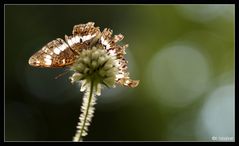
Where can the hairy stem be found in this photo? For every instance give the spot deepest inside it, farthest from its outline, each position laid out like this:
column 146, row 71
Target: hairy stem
column 87, row 110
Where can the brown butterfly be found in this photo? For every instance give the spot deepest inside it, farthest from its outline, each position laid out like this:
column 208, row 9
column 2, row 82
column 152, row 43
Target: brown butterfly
column 62, row 53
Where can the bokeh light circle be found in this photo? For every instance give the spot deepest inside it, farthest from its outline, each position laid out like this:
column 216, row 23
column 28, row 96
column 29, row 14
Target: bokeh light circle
column 218, row 113
column 178, row 75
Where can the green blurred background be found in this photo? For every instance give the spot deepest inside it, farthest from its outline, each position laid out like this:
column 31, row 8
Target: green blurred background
column 183, row 56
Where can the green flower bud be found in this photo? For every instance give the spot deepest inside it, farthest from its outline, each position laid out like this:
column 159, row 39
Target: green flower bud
column 95, row 64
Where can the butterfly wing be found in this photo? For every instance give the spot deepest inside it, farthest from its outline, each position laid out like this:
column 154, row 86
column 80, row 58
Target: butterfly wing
column 83, row 36
column 59, row 53
column 56, row 53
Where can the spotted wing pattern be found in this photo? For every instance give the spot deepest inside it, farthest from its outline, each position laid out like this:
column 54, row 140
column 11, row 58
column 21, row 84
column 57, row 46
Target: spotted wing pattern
column 60, row 53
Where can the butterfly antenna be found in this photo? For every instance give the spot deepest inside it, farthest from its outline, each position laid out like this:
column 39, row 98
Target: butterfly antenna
column 62, row 74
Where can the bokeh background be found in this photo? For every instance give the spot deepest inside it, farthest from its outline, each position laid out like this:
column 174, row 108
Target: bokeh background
column 183, row 56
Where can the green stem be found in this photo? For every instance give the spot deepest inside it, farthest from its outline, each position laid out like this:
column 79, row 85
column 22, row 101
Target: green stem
column 85, row 113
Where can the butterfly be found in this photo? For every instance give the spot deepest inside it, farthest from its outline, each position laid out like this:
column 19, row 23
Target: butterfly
column 64, row 53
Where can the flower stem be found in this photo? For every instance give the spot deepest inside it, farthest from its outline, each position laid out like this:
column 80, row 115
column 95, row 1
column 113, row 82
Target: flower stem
column 86, row 116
